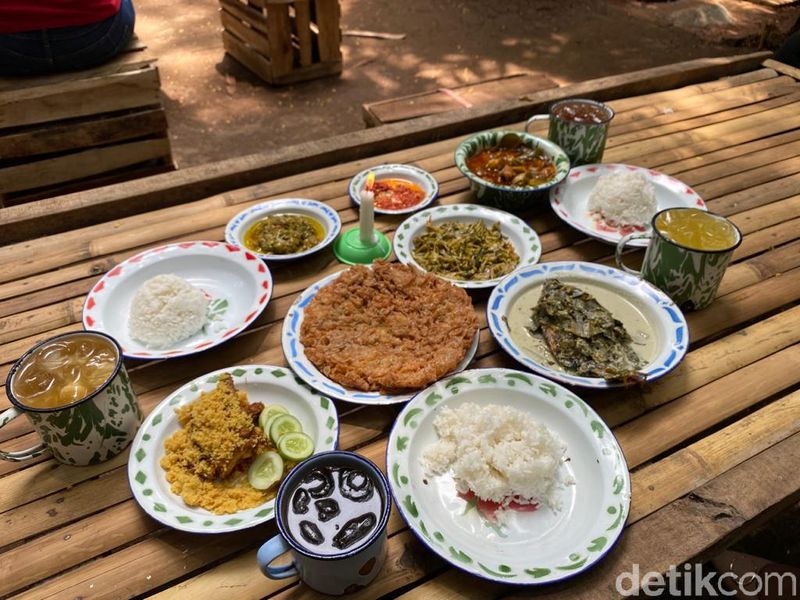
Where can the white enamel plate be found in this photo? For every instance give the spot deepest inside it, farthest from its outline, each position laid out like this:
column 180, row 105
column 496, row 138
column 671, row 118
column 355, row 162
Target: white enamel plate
column 322, row 213
column 415, row 175
column 262, row 383
column 524, row 239
column 295, row 354
column 656, row 325
column 570, row 198
column 237, row 282
column 543, row 546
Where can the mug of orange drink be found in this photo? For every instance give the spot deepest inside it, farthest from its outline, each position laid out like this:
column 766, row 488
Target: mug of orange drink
column 687, row 256
column 74, row 390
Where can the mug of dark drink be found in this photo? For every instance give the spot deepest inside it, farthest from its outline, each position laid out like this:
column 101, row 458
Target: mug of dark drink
column 331, row 511
column 579, row 127
column 74, row 390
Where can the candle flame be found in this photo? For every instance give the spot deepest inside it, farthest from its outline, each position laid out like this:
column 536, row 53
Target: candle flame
column 370, row 181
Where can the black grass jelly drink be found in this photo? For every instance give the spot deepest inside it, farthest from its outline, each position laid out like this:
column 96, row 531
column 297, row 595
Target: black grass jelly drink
column 331, row 512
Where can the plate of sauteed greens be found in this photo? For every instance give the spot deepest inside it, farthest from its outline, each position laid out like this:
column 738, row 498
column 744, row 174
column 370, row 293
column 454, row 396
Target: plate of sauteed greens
column 469, row 245
column 587, row 325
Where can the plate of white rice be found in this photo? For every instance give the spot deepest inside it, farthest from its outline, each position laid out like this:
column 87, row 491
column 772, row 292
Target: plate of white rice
column 608, row 201
column 508, row 476
column 179, row 299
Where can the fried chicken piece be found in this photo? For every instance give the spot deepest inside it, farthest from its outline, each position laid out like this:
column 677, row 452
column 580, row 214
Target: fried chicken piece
column 219, row 431
column 391, row 328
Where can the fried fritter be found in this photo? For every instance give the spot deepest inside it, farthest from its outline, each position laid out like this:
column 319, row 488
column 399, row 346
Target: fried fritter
column 391, row 328
column 218, row 432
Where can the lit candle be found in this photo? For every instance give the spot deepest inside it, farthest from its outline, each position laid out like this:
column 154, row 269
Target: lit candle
column 366, row 221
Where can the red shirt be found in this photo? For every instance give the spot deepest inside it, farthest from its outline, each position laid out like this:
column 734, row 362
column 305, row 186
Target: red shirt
column 28, row 15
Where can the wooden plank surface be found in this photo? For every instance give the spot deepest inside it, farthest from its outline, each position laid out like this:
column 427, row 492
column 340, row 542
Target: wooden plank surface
column 83, row 133
column 80, row 164
column 464, row 96
column 302, row 26
column 78, row 98
column 329, row 36
column 695, row 440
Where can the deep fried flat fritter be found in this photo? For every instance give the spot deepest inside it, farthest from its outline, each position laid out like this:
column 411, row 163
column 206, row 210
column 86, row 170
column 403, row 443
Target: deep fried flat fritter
column 391, row 328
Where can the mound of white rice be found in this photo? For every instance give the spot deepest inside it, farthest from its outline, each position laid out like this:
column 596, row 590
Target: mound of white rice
column 165, row 310
column 497, row 452
column 623, row 198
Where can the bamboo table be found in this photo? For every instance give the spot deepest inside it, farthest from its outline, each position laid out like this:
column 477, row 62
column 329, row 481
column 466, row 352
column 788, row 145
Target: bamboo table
column 713, row 447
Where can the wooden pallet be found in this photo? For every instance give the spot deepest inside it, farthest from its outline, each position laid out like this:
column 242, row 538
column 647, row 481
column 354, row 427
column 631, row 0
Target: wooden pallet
column 283, row 41
column 71, row 131
column 509, row 87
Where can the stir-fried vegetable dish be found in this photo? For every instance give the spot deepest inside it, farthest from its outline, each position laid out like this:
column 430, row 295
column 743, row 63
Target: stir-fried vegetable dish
column 466, row 251
column 283, row 234
column 582, row 335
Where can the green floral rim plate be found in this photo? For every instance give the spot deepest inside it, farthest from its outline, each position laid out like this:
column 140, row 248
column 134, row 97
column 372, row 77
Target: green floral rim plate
column 263, row 383
column 524, row 239
column 537, row 547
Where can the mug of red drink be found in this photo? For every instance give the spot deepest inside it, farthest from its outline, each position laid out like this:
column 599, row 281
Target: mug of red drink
column 74, row 390
column 331, row 510
column 579, row 127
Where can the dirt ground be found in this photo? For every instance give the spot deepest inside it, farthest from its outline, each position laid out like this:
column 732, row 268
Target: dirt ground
column 217, row 109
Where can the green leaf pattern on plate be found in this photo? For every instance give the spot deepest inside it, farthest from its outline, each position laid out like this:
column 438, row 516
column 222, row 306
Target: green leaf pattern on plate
column 325, row 410
column 405, row 429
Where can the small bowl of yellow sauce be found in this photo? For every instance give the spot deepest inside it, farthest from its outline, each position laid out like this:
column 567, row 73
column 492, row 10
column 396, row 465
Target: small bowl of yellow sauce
column 286, row 229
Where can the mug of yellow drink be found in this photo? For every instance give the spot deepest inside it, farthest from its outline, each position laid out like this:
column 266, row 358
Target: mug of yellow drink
column 74, row 390
column 687, row 256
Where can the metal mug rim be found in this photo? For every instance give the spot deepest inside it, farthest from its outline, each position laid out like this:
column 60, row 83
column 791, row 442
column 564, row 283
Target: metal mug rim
column 21, row 360
column 604, row 106
column 687, row 248
column 379, row 529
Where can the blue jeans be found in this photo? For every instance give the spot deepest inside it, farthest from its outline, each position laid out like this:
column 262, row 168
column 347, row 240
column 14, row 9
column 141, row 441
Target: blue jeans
column 66, row 48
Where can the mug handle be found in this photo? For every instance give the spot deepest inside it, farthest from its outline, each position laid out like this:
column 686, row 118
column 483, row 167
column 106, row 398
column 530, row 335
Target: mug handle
column 5, row 418
column 268, row 552
column 621, row 247
column 535, row 118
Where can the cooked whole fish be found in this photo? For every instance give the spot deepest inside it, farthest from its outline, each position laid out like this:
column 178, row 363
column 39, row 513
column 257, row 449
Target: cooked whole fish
column 582, row 336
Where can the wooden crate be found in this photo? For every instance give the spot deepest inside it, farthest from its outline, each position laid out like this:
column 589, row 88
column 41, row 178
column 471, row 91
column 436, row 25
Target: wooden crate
column 283, row 41
column 72, row 131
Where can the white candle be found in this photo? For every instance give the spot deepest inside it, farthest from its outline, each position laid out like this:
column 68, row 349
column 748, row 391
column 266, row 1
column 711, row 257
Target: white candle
column 366, row 215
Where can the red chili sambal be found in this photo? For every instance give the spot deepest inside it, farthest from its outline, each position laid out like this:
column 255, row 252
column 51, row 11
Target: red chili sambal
column 397, row 194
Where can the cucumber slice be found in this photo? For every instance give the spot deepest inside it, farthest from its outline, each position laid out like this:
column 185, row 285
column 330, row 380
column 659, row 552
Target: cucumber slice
column 268, row 414
column 282, row 425
column 295, row 446
column 266, row 470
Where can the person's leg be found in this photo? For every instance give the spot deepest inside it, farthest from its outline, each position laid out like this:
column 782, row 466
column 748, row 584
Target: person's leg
column 67, row 48
column 24, row 54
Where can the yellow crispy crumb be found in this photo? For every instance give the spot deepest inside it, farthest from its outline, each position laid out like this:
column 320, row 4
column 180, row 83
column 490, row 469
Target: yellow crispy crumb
column 206, row 461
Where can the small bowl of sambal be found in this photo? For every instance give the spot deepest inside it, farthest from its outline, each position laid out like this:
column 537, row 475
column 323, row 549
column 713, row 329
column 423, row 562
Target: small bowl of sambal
column 399, row 189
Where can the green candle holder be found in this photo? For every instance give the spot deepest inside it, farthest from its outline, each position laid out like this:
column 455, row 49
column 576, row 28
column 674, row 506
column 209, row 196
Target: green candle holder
column 350, row 250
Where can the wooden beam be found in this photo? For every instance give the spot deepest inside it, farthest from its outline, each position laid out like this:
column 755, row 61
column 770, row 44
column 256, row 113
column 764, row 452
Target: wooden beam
column 782, row 68
column 102, row 204
column 76, row 165
column 83, row 133
column 69, row 99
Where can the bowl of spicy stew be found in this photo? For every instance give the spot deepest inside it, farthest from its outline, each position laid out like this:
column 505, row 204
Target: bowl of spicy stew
column 399, row 189
column 511, row 170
